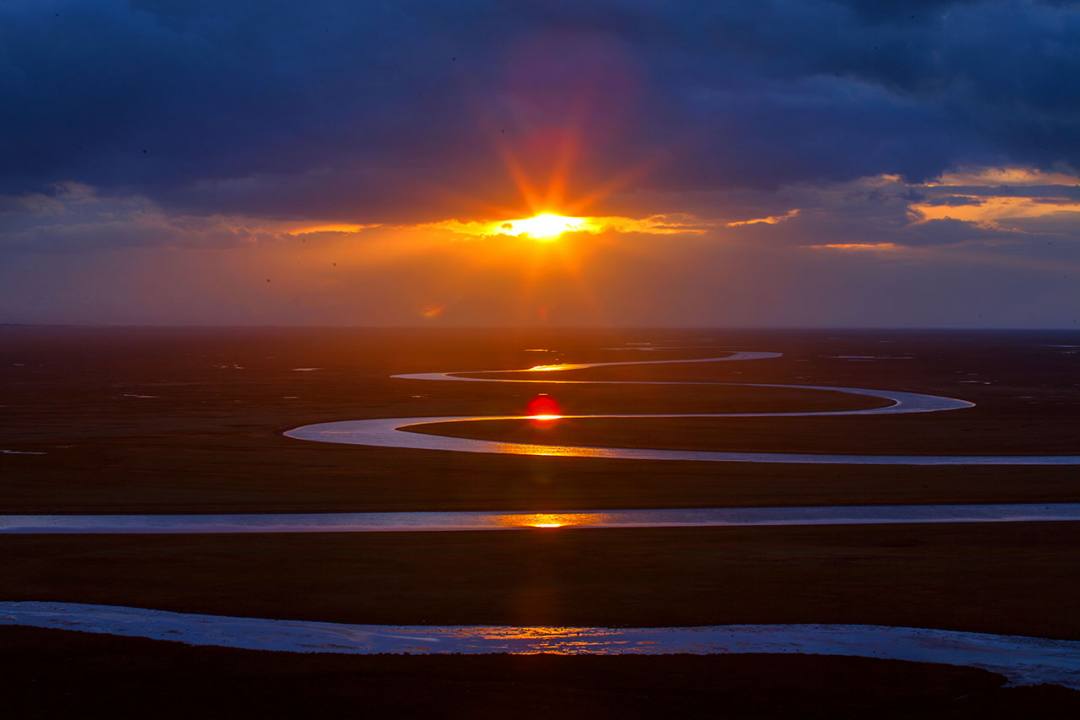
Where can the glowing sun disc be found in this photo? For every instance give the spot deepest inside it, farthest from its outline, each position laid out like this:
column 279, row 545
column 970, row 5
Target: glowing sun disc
column 544, row 226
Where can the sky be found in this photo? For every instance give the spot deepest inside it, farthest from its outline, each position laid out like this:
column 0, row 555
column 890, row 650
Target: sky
column 799, row 163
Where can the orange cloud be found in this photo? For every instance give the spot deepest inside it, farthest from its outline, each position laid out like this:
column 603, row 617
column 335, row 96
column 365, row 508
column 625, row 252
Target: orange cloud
column 993, row 208
column 330, row 228
column 858, row 247
column 768, row 220
column 990, row 211
column 652, row 225
column 991, row 177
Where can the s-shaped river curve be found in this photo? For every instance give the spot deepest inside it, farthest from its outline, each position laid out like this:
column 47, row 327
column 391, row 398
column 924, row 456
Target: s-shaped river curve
column 394, row 432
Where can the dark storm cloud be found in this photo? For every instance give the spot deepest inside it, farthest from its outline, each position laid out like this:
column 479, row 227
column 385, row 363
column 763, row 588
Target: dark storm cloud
column 388, row 111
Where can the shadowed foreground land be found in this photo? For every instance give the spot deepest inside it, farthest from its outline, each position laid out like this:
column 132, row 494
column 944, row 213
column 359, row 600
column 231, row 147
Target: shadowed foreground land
column 190, row 420
column 1019, row 579
column 55, row 674
column 179, row 421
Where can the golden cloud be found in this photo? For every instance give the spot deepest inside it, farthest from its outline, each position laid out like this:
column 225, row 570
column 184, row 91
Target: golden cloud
column 768, row 220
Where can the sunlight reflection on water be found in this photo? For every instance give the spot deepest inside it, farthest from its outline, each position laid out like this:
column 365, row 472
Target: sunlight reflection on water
column 550, row 520
column 399, row 432
column 480, row 520
column 1023, row 660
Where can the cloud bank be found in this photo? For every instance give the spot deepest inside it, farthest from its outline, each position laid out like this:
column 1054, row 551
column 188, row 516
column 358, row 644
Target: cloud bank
column 757, row 163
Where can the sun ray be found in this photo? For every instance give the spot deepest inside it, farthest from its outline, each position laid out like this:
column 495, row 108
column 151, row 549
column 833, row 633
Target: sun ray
column 612, row 186
column 520, row 178
column 560, row 173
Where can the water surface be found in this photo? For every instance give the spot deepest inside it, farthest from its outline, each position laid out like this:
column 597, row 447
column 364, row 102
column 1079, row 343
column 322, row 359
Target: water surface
column 395, row 432
column 460, row 521
column 1023, row 660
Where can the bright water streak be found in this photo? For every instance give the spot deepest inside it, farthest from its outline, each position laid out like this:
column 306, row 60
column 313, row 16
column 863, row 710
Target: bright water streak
column 457, row 521
column 1023, row 660
column 394, row 432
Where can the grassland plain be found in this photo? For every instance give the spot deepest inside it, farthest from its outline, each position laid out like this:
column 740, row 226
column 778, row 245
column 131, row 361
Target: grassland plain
column 190, row 421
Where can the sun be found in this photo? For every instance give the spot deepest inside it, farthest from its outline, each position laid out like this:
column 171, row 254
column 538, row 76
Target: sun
column 545, row 226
